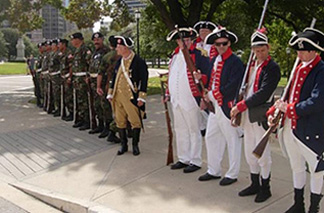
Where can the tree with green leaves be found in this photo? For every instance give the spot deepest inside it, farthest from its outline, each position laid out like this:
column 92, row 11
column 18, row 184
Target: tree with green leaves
column 3, row 46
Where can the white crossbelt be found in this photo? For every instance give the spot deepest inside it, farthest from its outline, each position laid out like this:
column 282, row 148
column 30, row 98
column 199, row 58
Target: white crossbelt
column 55, row 73
column 79, row 74
column 93, row 75
column 45, row 72
column 39, row 70
column 66, row 75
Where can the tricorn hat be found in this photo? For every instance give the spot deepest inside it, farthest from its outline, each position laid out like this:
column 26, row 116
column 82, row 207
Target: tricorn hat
column 55, row 41
column 48, row 42
column 185, row 32
column 128, row 42
column 259, row 38
column 97, row 35
column 205, row 25
column 220, row 33
column 77, row 35
column 309, row 39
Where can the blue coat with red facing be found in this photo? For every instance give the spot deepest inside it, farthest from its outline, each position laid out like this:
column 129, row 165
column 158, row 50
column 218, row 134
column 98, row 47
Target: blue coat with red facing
column 307, row 109
column 228, row 76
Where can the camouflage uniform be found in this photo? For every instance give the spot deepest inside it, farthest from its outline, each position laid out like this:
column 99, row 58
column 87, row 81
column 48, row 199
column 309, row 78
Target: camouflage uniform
column 54, row 70
column 66, row 58
column 106, row 69
column 45, row 78
column 40, row 91
column 94, row 64
column 80, row 66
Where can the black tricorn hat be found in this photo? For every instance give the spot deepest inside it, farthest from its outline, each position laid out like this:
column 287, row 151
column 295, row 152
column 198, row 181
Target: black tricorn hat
column 220, row 33
column 259, row 37
column 97, row 35
column 77, row 35
column 39, row 45
column 186, row 32
column 48, row 42
column 204, row 25
column 63, row 40
column 309, row 39
column 112, row 41
column 128, row 42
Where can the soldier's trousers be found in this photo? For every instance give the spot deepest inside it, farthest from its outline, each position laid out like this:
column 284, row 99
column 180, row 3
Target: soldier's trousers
column 57, row 81
column 68, row 95
column 81, row 99
column 37, row 91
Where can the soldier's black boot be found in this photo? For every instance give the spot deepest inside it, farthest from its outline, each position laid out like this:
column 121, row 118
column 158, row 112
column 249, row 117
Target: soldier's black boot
column 129, row 130
column 78, row 124
column 136, row 137
column 57, row 113
column 85, row 126
column 315, row 200
column 264, row 192
column 254, row 188
column 299, row 205
column 105, row 131
column 123, row 138
column 98, row 129
column 69, row 117
column 112, row 137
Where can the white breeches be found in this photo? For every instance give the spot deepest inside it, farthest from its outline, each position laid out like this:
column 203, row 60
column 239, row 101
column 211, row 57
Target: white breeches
column 220, row 134
column 188, row 137
column 298, row 156
column 252, row 135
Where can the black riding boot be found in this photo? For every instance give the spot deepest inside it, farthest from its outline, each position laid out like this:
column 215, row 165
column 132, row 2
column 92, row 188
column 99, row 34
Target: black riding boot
column 264, row 192
column 254, row 188
column 99, row 128
column 104, row 133
column 123, row 138
column 136, row 138
column 299, row 205
column 315, row 200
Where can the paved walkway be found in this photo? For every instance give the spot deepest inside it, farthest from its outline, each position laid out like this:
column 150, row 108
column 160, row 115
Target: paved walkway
column 46, row 154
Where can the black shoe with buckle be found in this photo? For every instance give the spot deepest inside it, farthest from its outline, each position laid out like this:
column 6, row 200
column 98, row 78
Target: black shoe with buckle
column 207, row 177
column 78, row 124
column 191, row 168
column 178, row 165
column 85, row 126
column 227, row 181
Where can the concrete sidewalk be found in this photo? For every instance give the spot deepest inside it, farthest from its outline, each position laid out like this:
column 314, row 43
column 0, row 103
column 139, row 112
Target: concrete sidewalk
column 78, row 172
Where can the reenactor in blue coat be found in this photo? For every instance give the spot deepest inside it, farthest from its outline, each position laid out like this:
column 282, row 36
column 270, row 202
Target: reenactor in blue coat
column 127, row 93
column 263, row 78
column 302, row 134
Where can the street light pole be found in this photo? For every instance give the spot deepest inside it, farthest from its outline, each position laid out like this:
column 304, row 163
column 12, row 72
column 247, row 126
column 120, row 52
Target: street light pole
column 137, row 17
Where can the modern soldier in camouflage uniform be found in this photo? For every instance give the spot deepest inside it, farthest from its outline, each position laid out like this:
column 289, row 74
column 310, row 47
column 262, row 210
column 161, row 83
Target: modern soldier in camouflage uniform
column 105, row 74
column 95, row 60
column 44, row 74
column 38, row 89
column 80, row 67
column 54, row 70
column 65, row 65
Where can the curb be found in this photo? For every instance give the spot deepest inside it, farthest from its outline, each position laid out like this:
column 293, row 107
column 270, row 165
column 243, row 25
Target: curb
column 62, row 202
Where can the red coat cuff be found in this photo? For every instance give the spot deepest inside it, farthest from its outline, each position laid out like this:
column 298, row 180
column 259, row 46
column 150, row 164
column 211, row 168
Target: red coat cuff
column 271, row 111
column 167, row 93
column 241, row 106
column 291, row 111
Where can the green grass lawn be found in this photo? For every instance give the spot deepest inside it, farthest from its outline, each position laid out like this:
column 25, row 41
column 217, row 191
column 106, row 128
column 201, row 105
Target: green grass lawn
column 12, row 68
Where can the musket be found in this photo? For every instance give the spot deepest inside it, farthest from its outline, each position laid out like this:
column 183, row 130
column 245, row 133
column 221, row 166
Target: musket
column 259, row 149
column 237, row 120
column 192, row 69
column 92, row 112
column 168, row 121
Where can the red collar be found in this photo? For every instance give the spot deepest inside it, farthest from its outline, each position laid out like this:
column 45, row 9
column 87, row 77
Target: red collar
column 227, row 54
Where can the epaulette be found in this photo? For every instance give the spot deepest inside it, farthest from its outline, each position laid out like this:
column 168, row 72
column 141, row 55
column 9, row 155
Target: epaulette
column 203, row 52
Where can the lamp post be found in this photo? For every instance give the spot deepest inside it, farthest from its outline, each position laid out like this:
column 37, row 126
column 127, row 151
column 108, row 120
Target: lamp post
column 137, row 17
column 288, row 56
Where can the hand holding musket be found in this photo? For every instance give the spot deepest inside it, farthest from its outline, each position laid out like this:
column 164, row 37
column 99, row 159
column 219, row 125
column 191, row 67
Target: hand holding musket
column 236, row 121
